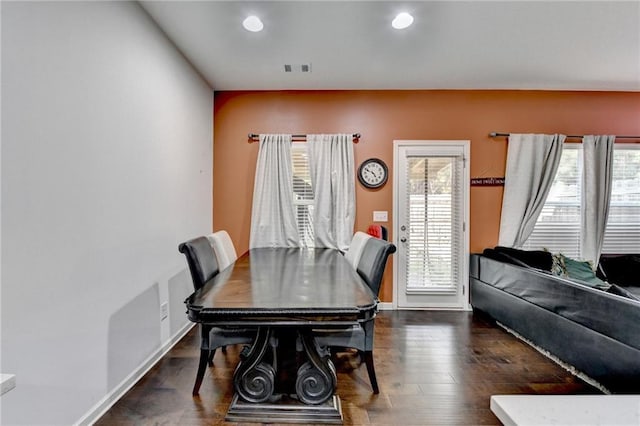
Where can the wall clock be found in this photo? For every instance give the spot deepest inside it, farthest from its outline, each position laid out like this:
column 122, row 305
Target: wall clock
column 373, row 173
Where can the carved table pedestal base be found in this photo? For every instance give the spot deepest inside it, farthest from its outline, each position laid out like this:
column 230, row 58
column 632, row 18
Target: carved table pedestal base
column 285, row 411
column 285, row 377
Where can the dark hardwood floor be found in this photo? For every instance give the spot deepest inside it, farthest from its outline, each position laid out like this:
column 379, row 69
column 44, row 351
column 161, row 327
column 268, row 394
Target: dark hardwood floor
column 433, row 368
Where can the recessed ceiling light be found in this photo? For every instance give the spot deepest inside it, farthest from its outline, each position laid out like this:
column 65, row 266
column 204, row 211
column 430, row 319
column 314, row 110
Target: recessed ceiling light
column 252, row 23
column 402, row 21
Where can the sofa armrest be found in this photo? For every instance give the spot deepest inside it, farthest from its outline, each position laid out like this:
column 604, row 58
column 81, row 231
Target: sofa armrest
column 474, row 266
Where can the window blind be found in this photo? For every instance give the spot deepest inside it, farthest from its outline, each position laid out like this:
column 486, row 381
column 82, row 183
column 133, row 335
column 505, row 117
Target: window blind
column 622, row 234
column 558, row 226
column 303, row 195
column 434, row 206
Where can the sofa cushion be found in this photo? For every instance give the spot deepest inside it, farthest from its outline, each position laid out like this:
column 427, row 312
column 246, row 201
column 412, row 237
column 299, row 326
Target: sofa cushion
column 503, row 257
column 622, row 270
column 534, row 258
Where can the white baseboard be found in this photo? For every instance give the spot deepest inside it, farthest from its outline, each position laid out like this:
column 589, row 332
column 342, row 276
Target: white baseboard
column 112, row 397
column 388, row 306
column 385, row 306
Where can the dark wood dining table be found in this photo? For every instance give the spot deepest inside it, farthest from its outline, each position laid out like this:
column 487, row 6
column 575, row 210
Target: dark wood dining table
column 283, row 295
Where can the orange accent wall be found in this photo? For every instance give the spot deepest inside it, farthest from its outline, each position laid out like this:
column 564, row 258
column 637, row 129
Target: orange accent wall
column 384, row 116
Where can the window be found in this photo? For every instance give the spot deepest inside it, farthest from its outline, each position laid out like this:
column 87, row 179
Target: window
column 622, row 234
column 558, row 226
column 302, row 193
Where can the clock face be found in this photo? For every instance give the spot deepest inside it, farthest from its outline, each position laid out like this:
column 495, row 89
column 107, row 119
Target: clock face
column 373, row 173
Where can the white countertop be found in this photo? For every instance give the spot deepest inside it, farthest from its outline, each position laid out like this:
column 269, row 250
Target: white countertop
column 556, row 410
column 7, row 382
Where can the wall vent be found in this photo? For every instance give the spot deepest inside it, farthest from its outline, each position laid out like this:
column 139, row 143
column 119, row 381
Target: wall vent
column 297, row 68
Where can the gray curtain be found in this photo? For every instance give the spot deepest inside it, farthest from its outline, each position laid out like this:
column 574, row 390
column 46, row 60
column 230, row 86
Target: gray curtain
column 273, row 221
column 532, row 162
column 596, row 194
column 333, row 178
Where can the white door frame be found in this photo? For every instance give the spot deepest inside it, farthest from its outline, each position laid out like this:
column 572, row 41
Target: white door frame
column 466, row 146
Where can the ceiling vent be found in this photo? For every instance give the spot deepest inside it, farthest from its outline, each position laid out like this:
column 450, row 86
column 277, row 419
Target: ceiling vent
column 297, row 68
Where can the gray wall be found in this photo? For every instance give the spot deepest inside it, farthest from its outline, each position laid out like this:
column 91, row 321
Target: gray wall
column 106, row 166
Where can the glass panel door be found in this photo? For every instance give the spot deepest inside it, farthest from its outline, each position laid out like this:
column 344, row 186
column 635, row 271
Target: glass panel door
column 432, row 203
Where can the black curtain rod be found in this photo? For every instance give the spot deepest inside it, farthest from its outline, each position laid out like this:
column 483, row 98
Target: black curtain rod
column 496, row 134
column 254, row 136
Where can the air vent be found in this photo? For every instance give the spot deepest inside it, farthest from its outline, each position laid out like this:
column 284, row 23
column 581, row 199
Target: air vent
column 297, row 68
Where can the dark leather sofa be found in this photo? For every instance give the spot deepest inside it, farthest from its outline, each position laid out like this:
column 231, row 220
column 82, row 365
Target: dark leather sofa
column 595, row 331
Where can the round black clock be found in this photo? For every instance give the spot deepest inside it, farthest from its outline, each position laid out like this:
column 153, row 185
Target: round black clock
column 373, row 173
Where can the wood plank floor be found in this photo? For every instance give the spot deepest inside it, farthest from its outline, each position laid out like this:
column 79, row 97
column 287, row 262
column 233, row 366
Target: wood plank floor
column 433, row 368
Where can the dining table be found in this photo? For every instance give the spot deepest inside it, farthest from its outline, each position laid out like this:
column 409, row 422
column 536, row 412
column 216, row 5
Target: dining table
column 284, row 296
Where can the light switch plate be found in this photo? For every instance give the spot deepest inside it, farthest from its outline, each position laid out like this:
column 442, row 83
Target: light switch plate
column 380, row 216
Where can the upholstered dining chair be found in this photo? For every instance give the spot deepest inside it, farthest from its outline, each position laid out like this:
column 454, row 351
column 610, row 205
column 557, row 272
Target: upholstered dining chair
column 204, row 266
column 201, row 260
column 371, row 266
column 223, row 248
column 373, row 262
column 355, row 248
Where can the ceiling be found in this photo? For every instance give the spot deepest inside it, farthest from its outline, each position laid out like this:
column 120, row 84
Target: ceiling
column 556, row 45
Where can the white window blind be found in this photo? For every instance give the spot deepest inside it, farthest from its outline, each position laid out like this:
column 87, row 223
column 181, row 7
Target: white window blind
column 622, row 234
column 302, row 193
column 435, row 205
column 558, row 226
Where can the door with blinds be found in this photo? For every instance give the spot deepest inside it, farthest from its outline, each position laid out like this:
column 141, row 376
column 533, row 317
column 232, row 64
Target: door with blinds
column 431, row 210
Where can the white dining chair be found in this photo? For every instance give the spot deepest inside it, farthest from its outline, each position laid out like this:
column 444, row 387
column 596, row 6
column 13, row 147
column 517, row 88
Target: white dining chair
column 223, row 247
column 355, row 248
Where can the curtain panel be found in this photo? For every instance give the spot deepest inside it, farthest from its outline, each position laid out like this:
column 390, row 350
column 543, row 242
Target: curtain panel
column 273, row 221
column 596, row 194
column 331, row 165
column 532, row 162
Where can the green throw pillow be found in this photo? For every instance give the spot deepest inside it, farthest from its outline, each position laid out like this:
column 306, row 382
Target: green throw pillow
column 582, row 272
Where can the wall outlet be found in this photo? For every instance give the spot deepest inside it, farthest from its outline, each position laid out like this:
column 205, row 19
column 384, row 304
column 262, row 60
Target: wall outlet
column 164, row 311
column 380, row 216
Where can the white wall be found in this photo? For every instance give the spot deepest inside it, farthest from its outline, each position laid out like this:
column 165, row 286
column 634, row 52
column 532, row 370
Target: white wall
column 106, row 166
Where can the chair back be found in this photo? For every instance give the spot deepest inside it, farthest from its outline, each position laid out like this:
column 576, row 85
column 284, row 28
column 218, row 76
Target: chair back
column 355, row 248
column 201, row 259
column 373, row 260
column 223, row 248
